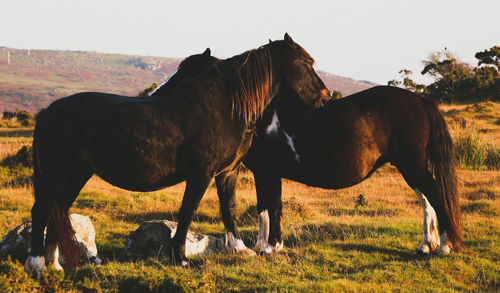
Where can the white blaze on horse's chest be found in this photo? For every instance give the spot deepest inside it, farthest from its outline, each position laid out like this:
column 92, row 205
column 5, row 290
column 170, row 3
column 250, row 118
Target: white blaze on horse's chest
column 273, row 130
column 163, row 83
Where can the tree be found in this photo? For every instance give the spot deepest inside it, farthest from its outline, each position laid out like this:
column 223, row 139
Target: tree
column 336, row 95
column 452, row 77
column 455, row 80
column 491, row 57
column 145, row 93
column 407, row 82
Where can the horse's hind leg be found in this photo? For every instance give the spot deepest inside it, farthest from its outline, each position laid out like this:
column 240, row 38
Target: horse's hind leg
column 424, row 186
column 226, row 187
column 269, row 207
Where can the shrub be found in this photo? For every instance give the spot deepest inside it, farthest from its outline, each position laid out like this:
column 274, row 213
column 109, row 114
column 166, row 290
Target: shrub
column 492, row 160
column 23, row 158
column 473, row 153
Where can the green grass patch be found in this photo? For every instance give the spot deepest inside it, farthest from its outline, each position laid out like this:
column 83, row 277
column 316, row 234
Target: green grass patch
column 474, row 154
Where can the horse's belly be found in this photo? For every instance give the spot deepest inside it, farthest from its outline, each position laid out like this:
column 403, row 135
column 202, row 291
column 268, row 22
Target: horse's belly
column 137, row 182
column 135, row 171
column 335, row 172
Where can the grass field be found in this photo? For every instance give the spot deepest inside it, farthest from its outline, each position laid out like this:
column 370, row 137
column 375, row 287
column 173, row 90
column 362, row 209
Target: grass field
column 330, row 245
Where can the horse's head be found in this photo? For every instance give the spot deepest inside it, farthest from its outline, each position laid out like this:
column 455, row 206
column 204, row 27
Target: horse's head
column 296, row 73
column 188, row 68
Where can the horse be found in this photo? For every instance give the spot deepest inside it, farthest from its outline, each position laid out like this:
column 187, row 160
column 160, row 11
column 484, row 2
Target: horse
column 344, row 143
column 202, row 130
column 363, row 132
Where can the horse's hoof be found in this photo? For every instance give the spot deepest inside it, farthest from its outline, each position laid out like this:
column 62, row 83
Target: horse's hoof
column 264, row 253
column 271, row 249
column 421, row 252
column 177, row 258
column 35, row 265
column 423, row 249
column 444, row 250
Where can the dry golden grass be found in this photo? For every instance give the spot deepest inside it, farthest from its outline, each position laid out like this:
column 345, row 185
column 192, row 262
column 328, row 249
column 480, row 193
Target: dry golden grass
column 331, row 245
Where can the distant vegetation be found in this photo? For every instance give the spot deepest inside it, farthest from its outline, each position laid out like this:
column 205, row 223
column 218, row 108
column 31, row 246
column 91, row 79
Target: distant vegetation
column 145, row 92
column 17, row 118
column 456, row 81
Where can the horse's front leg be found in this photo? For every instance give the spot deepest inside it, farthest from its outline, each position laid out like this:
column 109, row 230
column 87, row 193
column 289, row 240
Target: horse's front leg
column 195, row 188
column 226, row 189
column 269, row 207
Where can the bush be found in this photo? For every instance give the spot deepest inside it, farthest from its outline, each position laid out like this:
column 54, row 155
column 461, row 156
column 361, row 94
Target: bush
column 473, row 153
column 23, row 158
column 492, row 157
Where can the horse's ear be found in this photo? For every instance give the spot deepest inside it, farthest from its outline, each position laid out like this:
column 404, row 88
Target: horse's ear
column 270, row 41
column 288, row 39
column 207, row 52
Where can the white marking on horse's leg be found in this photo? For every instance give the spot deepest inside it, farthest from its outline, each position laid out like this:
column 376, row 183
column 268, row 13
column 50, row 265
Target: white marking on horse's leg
column 263, row 230
column 35, row 265
column 269, row 249
column 52, row 255
column 163, row 83
column 444, row 245
column 237, row 245
column 272, row 129
column 429, row 239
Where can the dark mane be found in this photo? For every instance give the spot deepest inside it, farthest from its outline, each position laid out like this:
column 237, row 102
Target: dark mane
column 250, row 76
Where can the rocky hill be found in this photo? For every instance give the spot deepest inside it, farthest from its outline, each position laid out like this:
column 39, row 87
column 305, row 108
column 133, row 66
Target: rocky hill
column 32, row 79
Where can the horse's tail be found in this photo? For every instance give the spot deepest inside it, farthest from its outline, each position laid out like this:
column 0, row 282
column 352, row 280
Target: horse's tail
column 59, row 224
column 442, row 163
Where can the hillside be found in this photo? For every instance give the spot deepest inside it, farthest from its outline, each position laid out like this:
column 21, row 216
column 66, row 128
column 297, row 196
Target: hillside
column 31, row 79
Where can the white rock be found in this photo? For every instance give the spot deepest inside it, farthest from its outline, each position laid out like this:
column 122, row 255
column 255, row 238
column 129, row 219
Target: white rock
column 152, row 238
column 17, row 242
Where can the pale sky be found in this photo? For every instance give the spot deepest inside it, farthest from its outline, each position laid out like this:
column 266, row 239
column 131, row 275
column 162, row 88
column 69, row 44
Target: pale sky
column 368, row 40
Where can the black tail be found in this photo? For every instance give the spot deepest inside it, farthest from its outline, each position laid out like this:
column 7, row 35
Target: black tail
column 442, row 163
column 59, row 224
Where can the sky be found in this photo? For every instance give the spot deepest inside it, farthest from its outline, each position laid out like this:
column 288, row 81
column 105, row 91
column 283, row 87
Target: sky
column 366, row 40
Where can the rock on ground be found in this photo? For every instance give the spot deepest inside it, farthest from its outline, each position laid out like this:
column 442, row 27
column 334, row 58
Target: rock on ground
column 17, row 242
column 152, row 238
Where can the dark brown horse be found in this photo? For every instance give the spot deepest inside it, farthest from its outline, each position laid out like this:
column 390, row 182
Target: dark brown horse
column 203, row 129
column 343, row 143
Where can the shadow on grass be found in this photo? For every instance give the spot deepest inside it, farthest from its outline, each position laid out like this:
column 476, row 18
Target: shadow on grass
column 140, row 217
column 313, row 233
column 404, row 255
